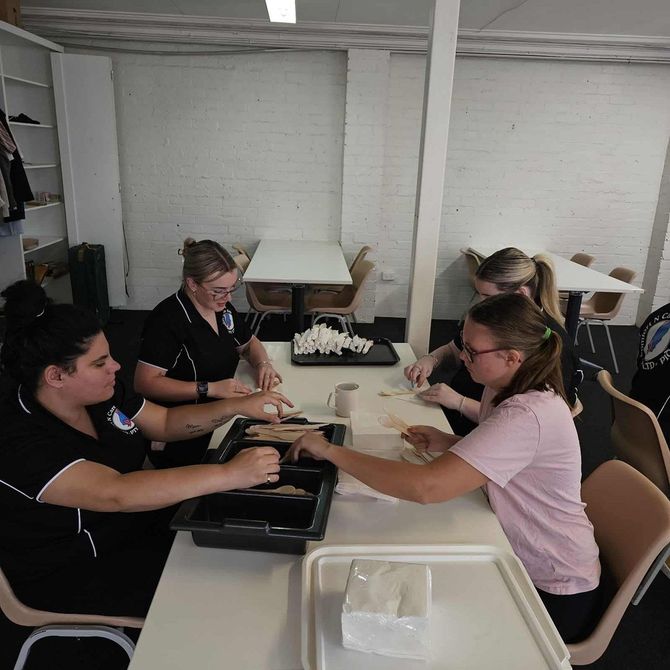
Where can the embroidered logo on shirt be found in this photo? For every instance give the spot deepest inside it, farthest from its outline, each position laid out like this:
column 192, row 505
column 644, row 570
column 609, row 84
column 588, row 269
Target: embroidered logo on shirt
column 120, row 420
column 228, row 321
column 655, row 341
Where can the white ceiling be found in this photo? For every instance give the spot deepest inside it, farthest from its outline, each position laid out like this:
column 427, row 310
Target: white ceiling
column 605, row 17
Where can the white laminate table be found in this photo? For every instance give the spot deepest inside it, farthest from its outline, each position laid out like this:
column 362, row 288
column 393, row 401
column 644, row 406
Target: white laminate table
column 218, row 608
column 298, row 263
column 575, row 279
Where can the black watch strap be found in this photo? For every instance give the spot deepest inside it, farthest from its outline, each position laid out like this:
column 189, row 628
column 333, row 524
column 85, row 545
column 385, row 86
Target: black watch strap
column 202, row 388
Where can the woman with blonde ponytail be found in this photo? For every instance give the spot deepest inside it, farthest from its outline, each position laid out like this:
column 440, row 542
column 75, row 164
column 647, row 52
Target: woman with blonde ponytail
column 524, row 452
column 506, row 271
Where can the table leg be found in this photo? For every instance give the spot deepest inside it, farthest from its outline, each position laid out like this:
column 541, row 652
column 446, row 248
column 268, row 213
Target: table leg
column 298, row 307
column 572, row 313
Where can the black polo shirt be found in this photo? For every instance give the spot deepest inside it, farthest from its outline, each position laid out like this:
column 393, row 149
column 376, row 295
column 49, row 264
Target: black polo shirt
column 651, row 382
column 36, row 447
column 177, row 339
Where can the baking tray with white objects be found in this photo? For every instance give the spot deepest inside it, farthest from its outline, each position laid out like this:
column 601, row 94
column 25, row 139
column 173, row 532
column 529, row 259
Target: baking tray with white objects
column 279, row 517
column 382, row 352
column 485, row 611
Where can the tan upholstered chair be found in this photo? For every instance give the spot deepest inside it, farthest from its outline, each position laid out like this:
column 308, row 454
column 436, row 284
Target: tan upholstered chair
column 583, row 259
column 473, row 261
column 262, row 299
column 631, row 519
column 342, row 305
column 241, row 250
column 58, row 624
column 603, row 307
column 360, row 256
column 636, row 436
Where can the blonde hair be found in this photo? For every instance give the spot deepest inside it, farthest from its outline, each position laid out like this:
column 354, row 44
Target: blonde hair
column 517, row 323
column 205, row 260
column 510, row 269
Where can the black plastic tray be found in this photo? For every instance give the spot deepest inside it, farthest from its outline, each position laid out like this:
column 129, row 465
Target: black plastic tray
column 382, row 352
column 255, row 520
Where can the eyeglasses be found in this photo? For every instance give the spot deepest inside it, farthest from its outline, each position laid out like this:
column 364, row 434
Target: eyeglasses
column 471, row 353
column 222, row 292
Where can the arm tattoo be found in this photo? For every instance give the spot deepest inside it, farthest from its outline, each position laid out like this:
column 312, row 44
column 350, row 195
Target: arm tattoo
column 219, row 421
column 193, row 428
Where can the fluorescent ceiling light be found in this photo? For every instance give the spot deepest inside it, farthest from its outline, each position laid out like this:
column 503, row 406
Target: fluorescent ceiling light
column 281, row 11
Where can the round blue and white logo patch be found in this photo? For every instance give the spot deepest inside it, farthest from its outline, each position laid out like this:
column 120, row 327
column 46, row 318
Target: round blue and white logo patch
column 121, row 421
column 228, row 321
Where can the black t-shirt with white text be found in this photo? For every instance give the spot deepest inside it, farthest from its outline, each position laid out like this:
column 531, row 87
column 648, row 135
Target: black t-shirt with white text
column 651, row 382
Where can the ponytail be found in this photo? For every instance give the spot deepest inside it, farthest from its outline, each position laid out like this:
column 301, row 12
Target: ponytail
column 546, row 293
column 517, row 323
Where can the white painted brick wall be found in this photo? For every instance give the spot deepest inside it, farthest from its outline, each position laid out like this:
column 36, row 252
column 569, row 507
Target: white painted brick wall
column 566, row 156
column 233, row 148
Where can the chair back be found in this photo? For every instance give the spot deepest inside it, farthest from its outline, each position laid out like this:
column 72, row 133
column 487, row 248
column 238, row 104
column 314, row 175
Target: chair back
column 242, row 261
column 241, row 250
column 364, row 251
column 22, row 615
column 607, row 305
column 637, row 437
column 583, row 259
column 473, row 261
column 360, row 275
column 631, row 520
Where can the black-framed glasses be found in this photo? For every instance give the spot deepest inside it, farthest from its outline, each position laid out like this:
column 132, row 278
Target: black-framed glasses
column 222, row 292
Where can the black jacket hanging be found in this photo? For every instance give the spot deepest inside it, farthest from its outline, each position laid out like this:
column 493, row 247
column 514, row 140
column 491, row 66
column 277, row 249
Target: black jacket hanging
column 18, row 180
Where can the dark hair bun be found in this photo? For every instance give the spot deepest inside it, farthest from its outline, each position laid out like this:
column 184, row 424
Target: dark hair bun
column 24, row 302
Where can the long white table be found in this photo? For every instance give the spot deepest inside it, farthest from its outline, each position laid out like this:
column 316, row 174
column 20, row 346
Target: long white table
column 574, row 279
column 298, row 263
column 217, row 608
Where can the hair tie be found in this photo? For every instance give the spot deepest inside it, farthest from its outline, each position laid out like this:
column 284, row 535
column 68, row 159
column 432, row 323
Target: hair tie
column 37, row 316
column 547, row 333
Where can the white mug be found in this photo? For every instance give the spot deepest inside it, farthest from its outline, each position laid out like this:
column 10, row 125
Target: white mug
column 346, row 398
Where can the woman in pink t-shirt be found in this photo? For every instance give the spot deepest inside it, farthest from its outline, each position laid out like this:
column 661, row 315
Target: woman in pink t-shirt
column 524, row 452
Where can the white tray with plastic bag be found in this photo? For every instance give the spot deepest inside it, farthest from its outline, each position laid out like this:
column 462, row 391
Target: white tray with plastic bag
column 485, row 611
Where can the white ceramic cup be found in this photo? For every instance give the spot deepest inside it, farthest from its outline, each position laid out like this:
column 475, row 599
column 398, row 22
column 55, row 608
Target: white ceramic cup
column 346, row 398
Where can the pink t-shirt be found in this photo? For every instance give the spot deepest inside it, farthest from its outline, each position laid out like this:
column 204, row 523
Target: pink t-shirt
column 529, row 450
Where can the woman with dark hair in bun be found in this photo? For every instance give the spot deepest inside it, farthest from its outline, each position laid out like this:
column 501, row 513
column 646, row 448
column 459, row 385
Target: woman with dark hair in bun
column 524, row 452
column 71, row 453
column 192, row 342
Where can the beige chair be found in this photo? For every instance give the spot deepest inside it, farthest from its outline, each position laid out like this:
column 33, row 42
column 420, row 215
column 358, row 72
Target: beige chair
column 57, row 624
column 473, row 261
column 360, row 256
column 636, row 436
column 262, row 300
column 631, row 519
column 342, row 305
column 583, row 259
column 241, row 250
column 603, row 307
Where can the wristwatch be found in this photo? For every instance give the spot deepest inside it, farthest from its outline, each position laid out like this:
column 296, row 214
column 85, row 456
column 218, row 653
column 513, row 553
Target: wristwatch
column 202, row 388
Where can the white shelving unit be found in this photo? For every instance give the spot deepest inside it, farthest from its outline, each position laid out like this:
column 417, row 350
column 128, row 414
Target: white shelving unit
column 26, row 87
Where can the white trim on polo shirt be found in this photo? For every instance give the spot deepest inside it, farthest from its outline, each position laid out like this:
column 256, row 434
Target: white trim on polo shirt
column 144, row 402
column 660, row 411
column 90, row 539
column 15, row 489
column 18, row 395
column 151, row 365
column 182, row 306
column 195, row 372
column 58, row 474
column 78, row 520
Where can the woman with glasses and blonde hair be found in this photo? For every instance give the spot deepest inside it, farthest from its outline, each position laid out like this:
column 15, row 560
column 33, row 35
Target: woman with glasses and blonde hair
column 192, row 342
column 506, row 271
column 524, row 452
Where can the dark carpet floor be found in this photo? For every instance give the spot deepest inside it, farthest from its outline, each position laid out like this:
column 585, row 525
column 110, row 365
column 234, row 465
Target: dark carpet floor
column 641, row 642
